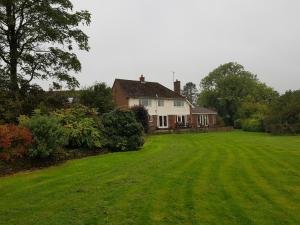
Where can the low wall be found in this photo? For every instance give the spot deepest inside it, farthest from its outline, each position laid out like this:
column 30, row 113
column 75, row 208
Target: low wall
column 194, row 130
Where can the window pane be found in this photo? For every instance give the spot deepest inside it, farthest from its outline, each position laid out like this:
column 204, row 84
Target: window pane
column 179, row 119
column 160, row 121
column 178, row 103
column 161, row 103
column 145, row 102
column 165, row 121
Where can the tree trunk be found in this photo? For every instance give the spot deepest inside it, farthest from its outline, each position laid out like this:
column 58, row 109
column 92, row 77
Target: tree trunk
column 13, row 55
column 13, row 45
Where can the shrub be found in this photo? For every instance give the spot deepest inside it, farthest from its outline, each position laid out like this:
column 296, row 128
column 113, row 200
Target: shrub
column 253, row 125
column 142, row 116
column 14, row 142
column 238, row 124
column 122, row 132
column 48, row 135
column 82, row 125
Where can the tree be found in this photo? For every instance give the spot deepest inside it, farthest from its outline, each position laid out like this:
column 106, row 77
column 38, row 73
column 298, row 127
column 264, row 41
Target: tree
column 230, row 85
column 190, row 92
column 284, row 114
column 98, row 96
column 37, row 39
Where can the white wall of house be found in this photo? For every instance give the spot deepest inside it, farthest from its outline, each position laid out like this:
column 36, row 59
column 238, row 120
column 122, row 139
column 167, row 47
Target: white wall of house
column 168, row 107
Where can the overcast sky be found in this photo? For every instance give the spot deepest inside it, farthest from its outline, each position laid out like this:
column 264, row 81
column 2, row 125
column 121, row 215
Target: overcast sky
column 191, row 37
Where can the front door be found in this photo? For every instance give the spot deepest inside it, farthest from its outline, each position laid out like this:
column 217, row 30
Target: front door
column 162, row 122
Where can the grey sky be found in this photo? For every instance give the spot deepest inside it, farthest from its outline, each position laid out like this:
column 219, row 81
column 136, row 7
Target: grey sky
column 192, row 37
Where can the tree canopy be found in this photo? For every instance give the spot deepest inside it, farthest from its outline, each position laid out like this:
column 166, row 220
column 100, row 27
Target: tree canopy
column 190, row 91
column 98, row 96
column 284, row 114
column 37, row 40
column 230, row 85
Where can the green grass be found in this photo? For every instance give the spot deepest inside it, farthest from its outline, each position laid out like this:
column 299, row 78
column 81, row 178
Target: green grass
column 215, row 178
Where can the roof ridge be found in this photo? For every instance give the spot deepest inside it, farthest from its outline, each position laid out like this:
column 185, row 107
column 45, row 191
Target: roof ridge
column 151, row 89
column 138, row 81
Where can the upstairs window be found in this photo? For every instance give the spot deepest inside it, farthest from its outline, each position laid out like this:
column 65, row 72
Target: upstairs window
column 161, row 103
column 178, row 103
column 145, row 102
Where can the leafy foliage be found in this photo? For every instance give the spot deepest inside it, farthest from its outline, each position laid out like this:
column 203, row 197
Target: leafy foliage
column 32, row 95
column 284, row 114
column 190, row 91
column 14, row 142
column 121, row 131
column 228, row 86
column 48, row 135
column 250, row 116
column 142, row 116
column 54, row 100
column 253, row 125
column 98, row 96
column 82, row 125
column 38, row 41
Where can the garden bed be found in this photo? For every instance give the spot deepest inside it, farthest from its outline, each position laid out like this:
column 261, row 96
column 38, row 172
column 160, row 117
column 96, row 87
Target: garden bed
column 25, row 164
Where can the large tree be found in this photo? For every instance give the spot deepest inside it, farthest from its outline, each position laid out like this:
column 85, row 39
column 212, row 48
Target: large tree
column 230, row 85
column 98, row 96
column 37, row 39
column 190, row 91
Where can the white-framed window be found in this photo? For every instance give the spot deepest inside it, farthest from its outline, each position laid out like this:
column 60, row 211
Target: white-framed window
column 181, row 119
column 178, row 103
column 162, row 122
column 145, row 102
column 161, row 103
column 203, row 120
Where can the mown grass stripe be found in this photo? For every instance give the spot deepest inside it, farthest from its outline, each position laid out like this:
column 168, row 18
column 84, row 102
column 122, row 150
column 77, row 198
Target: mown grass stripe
column 213, row 178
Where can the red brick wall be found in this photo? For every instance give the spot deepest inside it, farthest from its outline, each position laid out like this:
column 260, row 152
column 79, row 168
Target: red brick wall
column 172, row 121
column 212, row 120
column 194, row 121
column 119, row 96
column 153, row 124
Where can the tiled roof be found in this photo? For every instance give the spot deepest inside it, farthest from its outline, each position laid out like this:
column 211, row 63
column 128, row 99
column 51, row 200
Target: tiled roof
column 202, row 110
column 138, row 89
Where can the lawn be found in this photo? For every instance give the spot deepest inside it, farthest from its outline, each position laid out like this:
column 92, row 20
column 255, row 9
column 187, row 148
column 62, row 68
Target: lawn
column 213, row 178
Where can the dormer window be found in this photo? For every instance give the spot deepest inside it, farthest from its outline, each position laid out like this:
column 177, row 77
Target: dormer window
column 145, row 102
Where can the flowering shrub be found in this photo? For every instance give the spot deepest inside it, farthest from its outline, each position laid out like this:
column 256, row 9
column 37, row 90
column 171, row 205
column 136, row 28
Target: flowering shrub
column 14, row 142
column 82, row 125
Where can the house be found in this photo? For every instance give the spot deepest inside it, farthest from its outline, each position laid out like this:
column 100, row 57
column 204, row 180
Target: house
column 167, row 109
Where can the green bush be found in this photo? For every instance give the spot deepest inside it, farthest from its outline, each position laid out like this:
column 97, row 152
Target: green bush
column 142, row 116
column 238, row 124
column 253, row 125
column 122, row 132
column 48, row 135
column 82, row 125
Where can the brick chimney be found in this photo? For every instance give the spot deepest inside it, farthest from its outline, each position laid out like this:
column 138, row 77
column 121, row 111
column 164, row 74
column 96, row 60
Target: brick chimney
column 142, row 78
column 177, row 87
